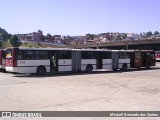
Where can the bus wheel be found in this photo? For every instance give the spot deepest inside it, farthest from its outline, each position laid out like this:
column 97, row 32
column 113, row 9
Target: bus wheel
column 124, row 67
column 148, row 66
column 41, row 70
column 89, row 68
column 114, row 69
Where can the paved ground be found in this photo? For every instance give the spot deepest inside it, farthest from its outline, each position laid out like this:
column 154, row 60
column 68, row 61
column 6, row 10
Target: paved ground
column 135, row 90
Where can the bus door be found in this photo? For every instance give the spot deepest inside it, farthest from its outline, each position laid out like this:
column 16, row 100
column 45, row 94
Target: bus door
column 115, row 60
column 132, row 57
column 53, row 61
column 138, row 59
column 144, row 58
column 3, row 59
column 152, row 59
column 99, row 59
column 76, row 60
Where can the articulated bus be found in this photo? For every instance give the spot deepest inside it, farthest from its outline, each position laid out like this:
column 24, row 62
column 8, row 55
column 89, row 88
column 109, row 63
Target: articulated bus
column 157, row 55
column 44, row 60
column 2, row 58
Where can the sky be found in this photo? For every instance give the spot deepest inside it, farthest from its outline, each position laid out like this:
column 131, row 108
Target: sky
column 79, row 17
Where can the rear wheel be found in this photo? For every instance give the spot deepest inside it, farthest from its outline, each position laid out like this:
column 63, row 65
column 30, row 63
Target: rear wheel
column 124, row 67
column 89, row 68
column 148, row 66
column 139, row 68
column 41, row 70
column 114, row 69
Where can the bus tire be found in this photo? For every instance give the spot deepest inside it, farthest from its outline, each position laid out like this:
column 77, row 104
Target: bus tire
column 139, row 68
column 124, row 67
column 41, row 70
column 114, row 69
column 89, row 68
column 148, row 66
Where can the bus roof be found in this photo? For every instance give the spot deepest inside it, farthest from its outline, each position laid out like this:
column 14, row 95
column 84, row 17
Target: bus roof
column 84, row 49
column 25, row 48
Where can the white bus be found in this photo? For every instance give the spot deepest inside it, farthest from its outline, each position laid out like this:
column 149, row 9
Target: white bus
column 50, row 60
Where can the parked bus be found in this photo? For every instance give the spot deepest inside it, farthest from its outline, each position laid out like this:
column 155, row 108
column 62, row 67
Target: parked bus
column 2, row 58
column 142, row 58
column 42, row 60
column 157, row 55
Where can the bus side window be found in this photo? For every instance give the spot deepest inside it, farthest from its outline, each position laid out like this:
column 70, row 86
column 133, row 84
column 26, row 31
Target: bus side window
column 64, row 55
column 88, row 55
column 20, row 55
column 106, row 55
column 42, row 55
column 137, row 55
column 123, row 55
column 29, row 55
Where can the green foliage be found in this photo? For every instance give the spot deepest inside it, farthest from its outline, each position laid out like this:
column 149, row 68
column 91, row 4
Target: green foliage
column 13, row 40
column 89, row 36
column 37, row 45
column 4, row 34
column 156, row 33
column 49, row 36
column 148, row 34
column 0, row 45
column 6, row 45
column 3, row 31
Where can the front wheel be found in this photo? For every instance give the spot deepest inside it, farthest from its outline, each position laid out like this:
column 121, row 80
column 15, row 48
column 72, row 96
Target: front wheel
column 41, row 70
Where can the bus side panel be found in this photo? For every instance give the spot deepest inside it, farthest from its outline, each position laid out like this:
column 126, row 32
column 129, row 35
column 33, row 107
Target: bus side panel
column 64, row 65
column 138, row 60
column 152, row 59
column 3, row 63
column 28, row 69
column 107, row 63
column 122, row 61
column 30, row 66
column 0, row 58
column 9, row 69
column 158, row 56
column 34, row 63
column 85, row 62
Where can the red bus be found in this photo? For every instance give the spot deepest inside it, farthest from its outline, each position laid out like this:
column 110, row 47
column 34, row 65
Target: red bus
column 142, row 58
column 2, row 58
column 157, row 55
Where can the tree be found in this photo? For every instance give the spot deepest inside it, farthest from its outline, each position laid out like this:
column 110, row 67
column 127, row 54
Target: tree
column 49, row 36
column 4, row 34
column 89, row 36
column 148, row 34
column 13, row 40
column 156, row 33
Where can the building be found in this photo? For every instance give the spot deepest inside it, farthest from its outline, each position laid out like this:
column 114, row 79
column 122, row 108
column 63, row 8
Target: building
column 34, row 36
column 133, row 36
